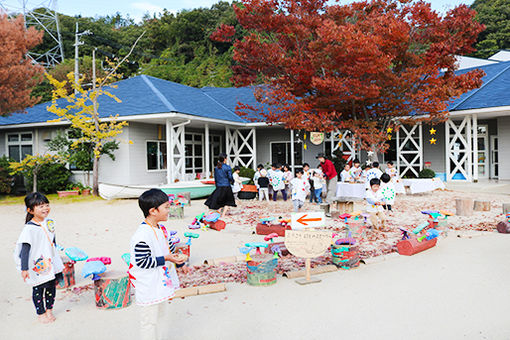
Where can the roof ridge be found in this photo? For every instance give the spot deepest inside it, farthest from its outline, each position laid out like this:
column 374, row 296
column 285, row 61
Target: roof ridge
column 220, row 104
column 158, row 93
column 480, row 88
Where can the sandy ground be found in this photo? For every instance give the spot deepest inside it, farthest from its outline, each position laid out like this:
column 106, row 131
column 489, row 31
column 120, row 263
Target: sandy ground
column 455, row 290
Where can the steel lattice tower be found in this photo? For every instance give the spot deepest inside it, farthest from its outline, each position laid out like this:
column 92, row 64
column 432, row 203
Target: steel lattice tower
column 43, row 16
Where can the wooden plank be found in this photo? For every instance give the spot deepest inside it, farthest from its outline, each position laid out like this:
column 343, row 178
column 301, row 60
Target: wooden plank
column 185, row 292
column 213, row 288
column 314, row 271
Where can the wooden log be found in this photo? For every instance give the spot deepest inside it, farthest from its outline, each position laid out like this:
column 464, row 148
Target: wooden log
column 504, row 227
column 506, row 208
column 266, row 229
column 482, row 206
column 345, row 207
column 113, row 290
column 464, row 206
column 412, row 246
column 325, row 207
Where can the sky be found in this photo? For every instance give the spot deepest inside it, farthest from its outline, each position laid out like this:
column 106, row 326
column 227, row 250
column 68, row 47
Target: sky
column 137, row 8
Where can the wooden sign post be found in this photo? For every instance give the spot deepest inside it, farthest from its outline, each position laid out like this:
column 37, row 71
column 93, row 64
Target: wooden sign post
column 307, row 244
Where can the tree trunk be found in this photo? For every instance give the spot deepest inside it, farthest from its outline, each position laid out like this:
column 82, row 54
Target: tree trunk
column 482, row 205
column 464, row 206
column 95, row 177
column 374, row 157
column 34, row 185
column 506, row 208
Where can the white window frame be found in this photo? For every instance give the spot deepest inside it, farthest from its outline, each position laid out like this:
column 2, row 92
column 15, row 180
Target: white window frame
column 192, row 142
column 19, row 142
column 158, row 142
column 297, row 166
column 213, row 156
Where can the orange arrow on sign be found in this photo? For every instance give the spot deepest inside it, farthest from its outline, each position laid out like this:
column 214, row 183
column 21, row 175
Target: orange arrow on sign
column 303, row 220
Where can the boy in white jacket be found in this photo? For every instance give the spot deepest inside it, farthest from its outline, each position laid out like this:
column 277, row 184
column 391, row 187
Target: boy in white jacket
column 155, row 280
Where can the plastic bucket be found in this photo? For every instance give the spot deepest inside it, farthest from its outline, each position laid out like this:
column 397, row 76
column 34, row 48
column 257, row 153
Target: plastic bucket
column 345, row 256
column 262, row 270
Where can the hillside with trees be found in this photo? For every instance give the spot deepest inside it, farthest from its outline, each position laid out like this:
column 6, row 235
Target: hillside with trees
column 175, row 47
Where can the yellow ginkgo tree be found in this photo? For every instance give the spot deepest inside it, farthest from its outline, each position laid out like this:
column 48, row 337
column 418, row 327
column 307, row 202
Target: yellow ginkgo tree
column 80, row 109
column 32, row 164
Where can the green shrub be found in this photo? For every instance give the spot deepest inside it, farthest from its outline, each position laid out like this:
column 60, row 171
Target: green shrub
column 427, row 173
column 51, row 178
column 248, row 173
column 6, row 180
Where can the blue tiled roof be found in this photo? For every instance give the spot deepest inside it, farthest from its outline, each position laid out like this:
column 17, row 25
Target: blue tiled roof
column 229, row 97
column 147, row 95
column 494, row 91
column 141, row 95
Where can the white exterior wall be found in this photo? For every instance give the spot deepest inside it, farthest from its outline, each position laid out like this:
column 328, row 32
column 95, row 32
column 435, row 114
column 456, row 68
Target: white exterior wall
column 504, row 144
column 139, row 134
column 130, row 165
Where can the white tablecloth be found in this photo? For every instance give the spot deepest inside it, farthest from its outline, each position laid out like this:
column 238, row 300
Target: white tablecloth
column 350, row 190
column 399, row 187
column 418, row 185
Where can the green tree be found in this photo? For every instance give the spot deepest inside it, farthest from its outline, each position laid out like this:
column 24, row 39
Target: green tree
column 495, row 15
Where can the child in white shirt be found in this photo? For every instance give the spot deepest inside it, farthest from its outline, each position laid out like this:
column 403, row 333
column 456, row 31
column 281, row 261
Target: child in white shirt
column 299, row 187
column 318, row 182
column 387, row 191
column 375, row 172
column 390, row 170
column 355, row 171
column 238, row 184
column 278, row 183
column 152, row 268
column 345, row 175
column 287, row 177
column 375, row 204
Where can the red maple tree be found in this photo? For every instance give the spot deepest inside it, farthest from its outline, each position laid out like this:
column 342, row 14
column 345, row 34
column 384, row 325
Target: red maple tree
column 362, row 66
column 18, row 75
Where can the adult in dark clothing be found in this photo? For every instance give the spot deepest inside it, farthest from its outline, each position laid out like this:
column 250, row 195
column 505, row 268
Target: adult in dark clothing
column 222, row 197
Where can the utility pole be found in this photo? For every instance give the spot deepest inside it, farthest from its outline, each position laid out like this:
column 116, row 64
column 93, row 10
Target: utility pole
column 77, row 43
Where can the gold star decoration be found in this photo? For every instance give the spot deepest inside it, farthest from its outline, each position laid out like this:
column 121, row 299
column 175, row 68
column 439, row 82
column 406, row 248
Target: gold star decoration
column 304, row 146
column 389, row 137
column 432, row 131
column 389, row 130
column 433, row 141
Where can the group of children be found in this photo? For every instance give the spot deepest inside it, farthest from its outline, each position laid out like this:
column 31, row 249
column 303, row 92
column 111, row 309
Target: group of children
column 152, row 269
column 357, row 174
column 280, row 179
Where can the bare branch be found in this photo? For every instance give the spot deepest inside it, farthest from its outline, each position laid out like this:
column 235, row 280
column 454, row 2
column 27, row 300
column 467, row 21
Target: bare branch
column 123, row 59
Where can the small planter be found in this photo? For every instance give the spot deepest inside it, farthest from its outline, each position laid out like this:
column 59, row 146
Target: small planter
column 68, row 193
column 249, row 188
column 85, row 192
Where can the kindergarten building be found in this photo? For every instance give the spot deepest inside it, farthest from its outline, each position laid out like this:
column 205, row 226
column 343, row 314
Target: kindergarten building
column 178, row 131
